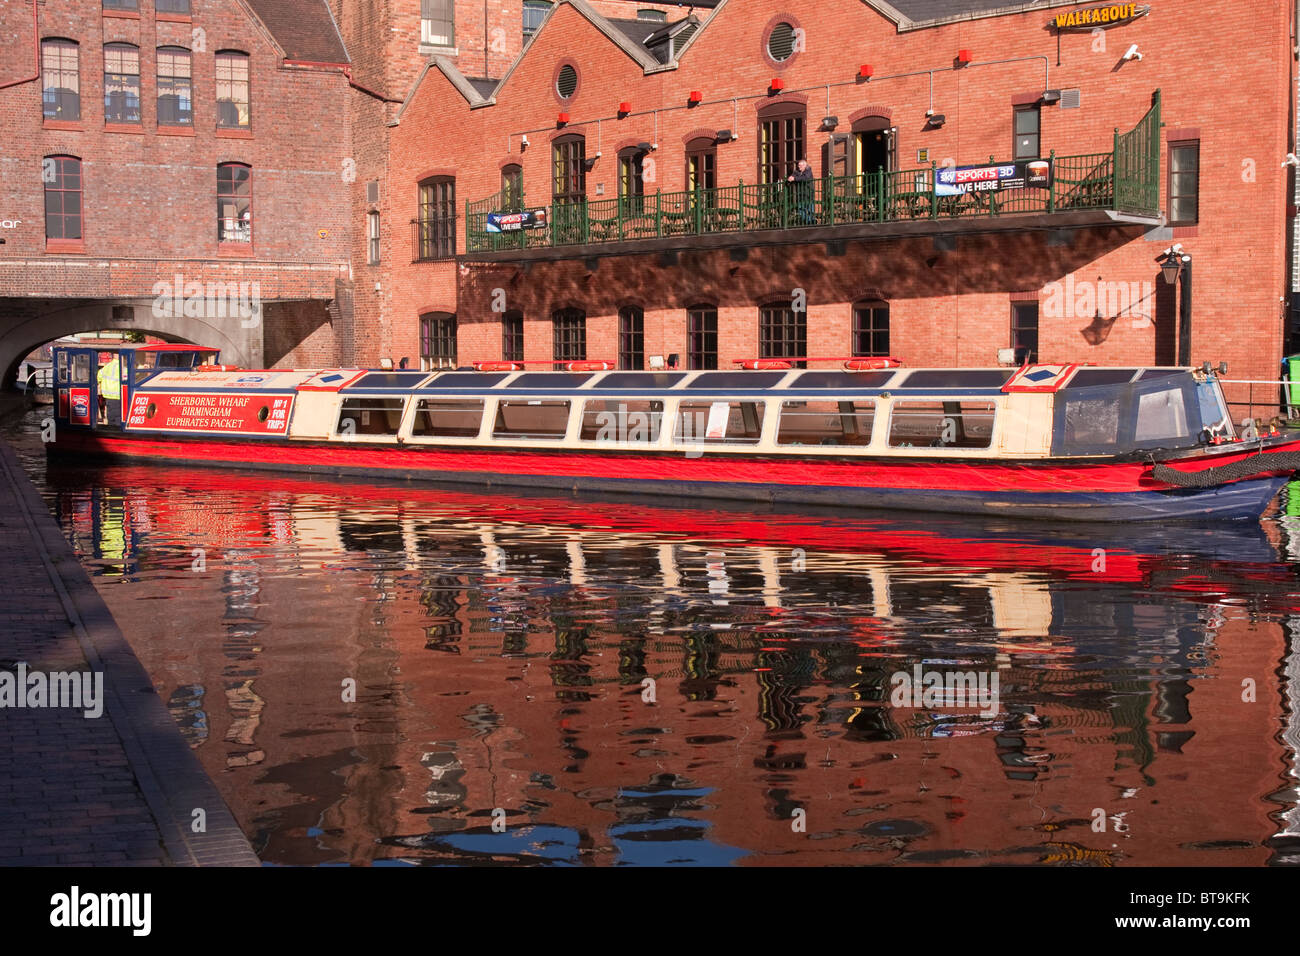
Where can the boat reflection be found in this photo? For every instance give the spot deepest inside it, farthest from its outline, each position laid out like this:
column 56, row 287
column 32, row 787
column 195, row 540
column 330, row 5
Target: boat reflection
column 595, row 681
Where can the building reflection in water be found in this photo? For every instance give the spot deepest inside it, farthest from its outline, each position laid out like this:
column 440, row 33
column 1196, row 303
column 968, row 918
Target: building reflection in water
column 553, row 681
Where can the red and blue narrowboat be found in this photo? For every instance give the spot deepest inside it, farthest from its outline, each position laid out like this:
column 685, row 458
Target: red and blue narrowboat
column 1040, row 441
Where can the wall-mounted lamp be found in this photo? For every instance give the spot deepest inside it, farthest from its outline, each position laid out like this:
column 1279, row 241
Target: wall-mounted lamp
column 935, row 120
column 644, row 147
column 1050, row 96
column 725, row 136
column 830, row 122
column 523, row 143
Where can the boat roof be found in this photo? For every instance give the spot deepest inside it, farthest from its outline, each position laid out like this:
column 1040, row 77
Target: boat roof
column 704, row 384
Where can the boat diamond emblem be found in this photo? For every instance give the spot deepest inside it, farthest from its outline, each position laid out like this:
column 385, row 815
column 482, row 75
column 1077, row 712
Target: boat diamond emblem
column 1038, row 376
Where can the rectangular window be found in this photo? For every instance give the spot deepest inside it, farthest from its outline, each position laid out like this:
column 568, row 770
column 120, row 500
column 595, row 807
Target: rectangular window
column 1091, row 422
column 1026, row 120
column 1024, row 331
column 234, row 203
column 782, row 333
column 701, row 165
column 826, row 423
column 780, row 147
column 631, row 183
column 438, row 341
column 1184, row 183
column 1161, row 415
column 121, row 84
column 622, row 420
column 512, row 188
column 450, row 418
column 60, row 81
column 372, row 237
column 734, row 423
column 370, row 416
column 569, row 330
column 121, row 4
column 631, row 337
column 436, row 228
column 871, row 329
column 702, row 337
column 512, row 336
column 181, row 7
column 534, row 13
column 62, row 198
column 438, row 22
column 940, row 424
column 531, row 419
column 233, row 104
column 175, row 90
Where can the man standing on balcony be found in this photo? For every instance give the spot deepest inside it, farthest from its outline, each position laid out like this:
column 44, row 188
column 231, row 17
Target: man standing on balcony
column 802, row 191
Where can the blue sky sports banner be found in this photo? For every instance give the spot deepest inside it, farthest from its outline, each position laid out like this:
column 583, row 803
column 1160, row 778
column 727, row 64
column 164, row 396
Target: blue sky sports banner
column 955, row 180
column 514, row 221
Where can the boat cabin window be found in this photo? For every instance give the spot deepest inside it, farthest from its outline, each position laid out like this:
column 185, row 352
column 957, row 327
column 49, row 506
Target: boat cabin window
column 1161, row 415
column 941, row 425
column 1086, row 377
column 1093, row 422
column 61, row 367
column 736, row 423
column 549, row 381
column 826, row 423
column 732, row 381
column 843, row 380
column 452, row 418
column 466, row 380
column 641, row 380
column 520, row 418
column 1214, row 413
column 959, row 378
column 622, row 420
column 370, row 416
column 80, row 368
column 1151, row 373
column 377, row 380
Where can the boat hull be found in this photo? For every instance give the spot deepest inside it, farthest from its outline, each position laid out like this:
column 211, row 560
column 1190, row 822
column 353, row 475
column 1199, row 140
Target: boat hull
column 1040, row 490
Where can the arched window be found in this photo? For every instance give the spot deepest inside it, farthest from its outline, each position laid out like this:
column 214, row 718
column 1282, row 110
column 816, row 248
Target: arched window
column 569, row 154
column 175, row 87
column 62, row 177
column 234, row 105
column 870, row 335
column 60, row 80
column 782, row 332
column 631, row 181
column 512, row 188
column 569, row 330
column 234, row 203
column 121, row 83
column 437, row 340
column 436, row 223
column 702, row 336
column 702, row 163
column 781, row 141
column 631, row 337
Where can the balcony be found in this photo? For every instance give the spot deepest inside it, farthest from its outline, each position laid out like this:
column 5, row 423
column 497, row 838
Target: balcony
column 1121, row 185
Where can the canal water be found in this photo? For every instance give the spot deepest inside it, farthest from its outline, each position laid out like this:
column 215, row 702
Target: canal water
column 384, row 673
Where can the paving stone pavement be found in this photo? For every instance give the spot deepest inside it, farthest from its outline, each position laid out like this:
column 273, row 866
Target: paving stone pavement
column 115, row 790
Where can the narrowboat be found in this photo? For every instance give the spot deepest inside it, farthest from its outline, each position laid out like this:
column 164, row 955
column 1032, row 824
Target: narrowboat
column 1064, row 441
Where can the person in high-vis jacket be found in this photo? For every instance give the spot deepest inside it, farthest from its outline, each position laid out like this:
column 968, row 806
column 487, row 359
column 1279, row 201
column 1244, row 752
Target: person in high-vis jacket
column 109, row 381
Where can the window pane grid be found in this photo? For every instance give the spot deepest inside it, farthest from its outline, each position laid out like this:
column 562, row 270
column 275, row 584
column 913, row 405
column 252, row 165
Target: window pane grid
column 631, row 337
column 438, row 341
column 871, row 329
column 781, row 146
column 569, row 330
column 782, row 333
column 174, row 88
column 232, row 90
column 702, row 337
column 1024, row 332
column 438, row 22
column 234, row 203
column 437, row 222
column 512, row 337
column 61, row 84
column 63, row 199
column 121, row 84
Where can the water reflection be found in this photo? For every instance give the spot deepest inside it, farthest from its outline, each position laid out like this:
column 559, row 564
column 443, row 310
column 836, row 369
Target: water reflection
column 381, row 672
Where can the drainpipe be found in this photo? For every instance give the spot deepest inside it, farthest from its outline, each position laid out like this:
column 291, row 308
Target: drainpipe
column 347, row 73
column 36, row 51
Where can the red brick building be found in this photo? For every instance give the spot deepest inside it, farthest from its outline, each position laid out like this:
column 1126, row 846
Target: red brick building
column 637, row 143
column 199, row 144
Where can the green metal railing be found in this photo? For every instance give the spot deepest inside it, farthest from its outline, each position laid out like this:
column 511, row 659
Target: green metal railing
column 1125, row 179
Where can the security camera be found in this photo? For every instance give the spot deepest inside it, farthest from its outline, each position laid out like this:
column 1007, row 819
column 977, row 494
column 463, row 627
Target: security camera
column 1291, row 160
column 524, row 141
column 1132, row 53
